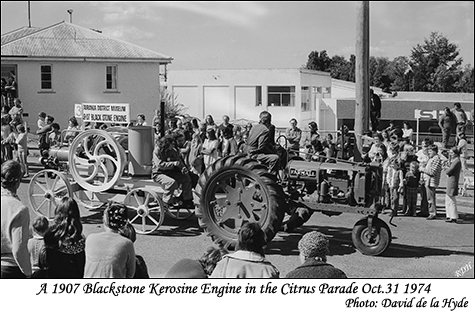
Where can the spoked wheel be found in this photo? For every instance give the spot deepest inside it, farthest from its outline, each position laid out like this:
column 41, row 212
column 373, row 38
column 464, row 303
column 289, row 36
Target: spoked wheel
column 46, row 189
column 179, row 214
column 372, row 241
column 235, row 190
column 96, row 160
column 146, row 210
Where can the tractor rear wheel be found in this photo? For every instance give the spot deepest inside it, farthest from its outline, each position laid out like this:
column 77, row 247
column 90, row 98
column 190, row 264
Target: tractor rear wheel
column 372, row 241
column 235, row 190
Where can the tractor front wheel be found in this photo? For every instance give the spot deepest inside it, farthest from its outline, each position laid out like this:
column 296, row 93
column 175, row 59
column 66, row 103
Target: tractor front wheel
column 371, row 241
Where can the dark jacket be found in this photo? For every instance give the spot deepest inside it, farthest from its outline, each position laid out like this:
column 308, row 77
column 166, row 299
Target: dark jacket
column 260, row 140
column 453, row 173
column 312, row 268
column 67, row 261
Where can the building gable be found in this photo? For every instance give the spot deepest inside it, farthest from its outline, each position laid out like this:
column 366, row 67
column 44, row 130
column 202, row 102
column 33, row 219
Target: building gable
column 65, row 40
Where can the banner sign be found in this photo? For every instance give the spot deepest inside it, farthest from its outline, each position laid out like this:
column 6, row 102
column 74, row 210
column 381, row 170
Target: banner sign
column 104, row 112
column 428, row 114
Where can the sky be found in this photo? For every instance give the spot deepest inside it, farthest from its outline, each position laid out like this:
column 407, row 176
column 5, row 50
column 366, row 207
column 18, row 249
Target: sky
column 240, row 35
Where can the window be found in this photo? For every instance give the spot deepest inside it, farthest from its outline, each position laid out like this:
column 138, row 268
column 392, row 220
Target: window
column 46, row 77
column 317, row 94
column 258, row 95
column 281, row 96
column 111, row 77
column 305, row 95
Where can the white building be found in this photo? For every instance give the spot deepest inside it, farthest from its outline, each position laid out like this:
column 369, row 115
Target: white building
column 62, row 65
column 304, row 94
column 244, row 93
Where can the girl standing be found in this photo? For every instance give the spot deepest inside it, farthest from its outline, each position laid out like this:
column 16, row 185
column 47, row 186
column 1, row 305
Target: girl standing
column 22, row 146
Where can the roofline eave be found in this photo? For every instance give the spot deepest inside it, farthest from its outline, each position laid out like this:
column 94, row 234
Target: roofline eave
column 91, row 59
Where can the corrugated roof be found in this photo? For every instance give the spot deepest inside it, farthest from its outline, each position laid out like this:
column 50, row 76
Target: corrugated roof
column 65, row 40
column 18, row 33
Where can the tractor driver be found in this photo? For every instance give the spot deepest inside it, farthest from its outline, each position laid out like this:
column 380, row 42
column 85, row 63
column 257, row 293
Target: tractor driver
column 170, row 171
column 260, row 143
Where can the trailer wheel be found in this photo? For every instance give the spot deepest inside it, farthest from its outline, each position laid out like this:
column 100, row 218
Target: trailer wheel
column 146, row 210
column 45, row 191
column 235, row 190
column 373, row 241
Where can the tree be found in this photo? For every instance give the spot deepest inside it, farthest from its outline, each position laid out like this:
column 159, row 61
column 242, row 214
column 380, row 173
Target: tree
column 433, row 63
column 318, row 61
column 379, row 72
column 400, row 74
column 338, row 68
column 466, row 80
column 172, row 107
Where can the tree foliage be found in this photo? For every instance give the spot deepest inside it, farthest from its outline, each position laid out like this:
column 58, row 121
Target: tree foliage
column 433, row 66
column 173, row 108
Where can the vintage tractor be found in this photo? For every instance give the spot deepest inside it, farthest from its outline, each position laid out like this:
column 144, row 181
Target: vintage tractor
column 237, row 189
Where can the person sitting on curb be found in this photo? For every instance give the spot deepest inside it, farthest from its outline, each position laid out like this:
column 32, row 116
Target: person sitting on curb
column 249, row 260
column 314, row 248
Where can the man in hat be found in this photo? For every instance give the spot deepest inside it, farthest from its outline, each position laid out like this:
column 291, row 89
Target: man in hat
column 314, row 248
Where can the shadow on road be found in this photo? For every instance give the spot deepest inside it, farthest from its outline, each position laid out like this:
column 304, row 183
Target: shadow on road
column 341, row 244
column 408, row 251
column 173, row 227
column 287, row 243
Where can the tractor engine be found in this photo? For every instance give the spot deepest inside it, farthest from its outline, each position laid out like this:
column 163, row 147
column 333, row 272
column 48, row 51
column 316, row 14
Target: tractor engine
column 340, row 182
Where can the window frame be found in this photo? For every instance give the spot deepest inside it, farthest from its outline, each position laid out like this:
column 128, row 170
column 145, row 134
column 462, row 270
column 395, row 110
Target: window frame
column 114, row 78
column 305, row 99
column 281, row 94
column 45, row 81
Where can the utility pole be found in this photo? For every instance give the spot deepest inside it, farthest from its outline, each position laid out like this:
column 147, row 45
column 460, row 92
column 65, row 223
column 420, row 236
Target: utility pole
column 361, row 75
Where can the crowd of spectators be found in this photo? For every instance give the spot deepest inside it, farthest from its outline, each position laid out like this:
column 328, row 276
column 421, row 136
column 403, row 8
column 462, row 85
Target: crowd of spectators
column 180, row 156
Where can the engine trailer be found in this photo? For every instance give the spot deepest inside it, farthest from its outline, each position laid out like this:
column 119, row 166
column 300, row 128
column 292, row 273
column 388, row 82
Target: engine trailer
column 99, row 167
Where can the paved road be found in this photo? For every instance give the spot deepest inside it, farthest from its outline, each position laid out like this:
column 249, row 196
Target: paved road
column 420, row 248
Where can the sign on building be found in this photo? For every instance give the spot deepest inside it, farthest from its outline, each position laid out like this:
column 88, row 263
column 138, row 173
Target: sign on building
column 427, row 114
column 103, row 112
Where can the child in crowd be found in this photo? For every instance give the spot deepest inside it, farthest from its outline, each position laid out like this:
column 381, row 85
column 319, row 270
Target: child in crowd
column 395, row 182
column 411, row 184
column 141, row 271
column 54, row 136
column 36, row 244
column 22, row 149
column 41, row 123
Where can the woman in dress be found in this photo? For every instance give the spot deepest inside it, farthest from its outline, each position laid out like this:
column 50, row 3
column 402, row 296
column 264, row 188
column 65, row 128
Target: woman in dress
column 209, row 149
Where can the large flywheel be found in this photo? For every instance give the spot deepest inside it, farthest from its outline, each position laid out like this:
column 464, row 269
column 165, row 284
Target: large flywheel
column 96, row 160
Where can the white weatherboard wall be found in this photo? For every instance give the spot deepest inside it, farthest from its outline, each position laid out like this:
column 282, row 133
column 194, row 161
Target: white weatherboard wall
column 84, row 82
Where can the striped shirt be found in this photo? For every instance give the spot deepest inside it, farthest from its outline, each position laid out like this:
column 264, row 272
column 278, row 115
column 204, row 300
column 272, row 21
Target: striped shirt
column 432, row 171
